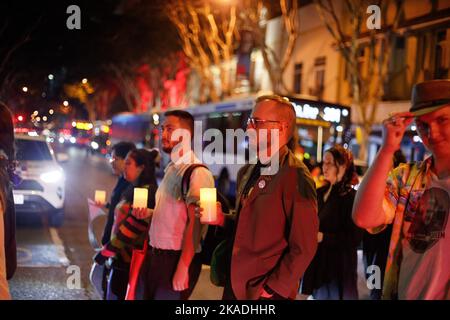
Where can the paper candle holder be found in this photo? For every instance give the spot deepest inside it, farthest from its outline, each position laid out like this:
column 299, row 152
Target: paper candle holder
column 140, row 198
column 100, row 196
column 208, row 199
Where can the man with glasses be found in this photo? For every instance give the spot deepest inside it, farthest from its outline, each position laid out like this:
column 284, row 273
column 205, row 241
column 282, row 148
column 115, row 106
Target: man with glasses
column 414, row 197
column 274, row 230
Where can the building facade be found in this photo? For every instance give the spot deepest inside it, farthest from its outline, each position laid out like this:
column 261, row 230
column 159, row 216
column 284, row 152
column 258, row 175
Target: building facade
column 420, row 51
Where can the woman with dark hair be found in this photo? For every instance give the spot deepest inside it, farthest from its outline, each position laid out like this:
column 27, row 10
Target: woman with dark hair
column 128, row 232
column 332, row 275
column 7, row 166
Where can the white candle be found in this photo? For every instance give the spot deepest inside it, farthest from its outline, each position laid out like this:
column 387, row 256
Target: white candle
column 208, row 199
column 100, row 196
column 140, row 198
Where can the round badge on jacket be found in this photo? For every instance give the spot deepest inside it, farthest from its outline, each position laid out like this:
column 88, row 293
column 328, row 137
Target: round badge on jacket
column 262, row 184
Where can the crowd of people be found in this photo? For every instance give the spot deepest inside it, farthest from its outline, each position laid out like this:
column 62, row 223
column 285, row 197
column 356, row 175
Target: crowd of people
column 284, row 235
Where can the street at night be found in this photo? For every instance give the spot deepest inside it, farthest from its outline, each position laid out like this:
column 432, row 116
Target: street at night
column 45, row 253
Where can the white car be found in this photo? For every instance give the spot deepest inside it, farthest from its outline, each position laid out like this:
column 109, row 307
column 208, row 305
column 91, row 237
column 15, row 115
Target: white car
column 42, row 189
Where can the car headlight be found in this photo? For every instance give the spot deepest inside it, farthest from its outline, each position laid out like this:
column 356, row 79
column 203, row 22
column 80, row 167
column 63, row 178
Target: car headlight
column 94, row 145
column 51, row 176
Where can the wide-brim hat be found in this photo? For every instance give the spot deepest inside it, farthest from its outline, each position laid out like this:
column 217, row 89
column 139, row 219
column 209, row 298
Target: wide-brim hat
column 429, row 96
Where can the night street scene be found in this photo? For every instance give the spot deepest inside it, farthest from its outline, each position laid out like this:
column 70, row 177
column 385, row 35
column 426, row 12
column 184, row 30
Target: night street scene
column 256, row 150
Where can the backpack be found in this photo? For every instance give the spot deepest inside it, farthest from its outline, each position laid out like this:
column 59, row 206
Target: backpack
column 215, row 235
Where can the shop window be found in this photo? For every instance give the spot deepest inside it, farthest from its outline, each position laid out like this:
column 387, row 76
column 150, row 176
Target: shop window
column 298, row 70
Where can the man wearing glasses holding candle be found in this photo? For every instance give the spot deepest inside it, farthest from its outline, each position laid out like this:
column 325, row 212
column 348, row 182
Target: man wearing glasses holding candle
column 275, row 227
column 414, row 197
column 173, row 264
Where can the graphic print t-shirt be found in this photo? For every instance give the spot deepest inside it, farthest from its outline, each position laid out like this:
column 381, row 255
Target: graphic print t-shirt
column 425, row 266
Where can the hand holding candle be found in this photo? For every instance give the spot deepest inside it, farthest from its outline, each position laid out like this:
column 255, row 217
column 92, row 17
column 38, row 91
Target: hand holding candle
column 208, row 198
column 142, row 213
column 100, row 197
column 140, row 198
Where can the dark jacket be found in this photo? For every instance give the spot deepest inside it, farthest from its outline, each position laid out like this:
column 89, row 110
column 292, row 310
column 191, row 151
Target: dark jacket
column 119, row 189
column 276, row 230
column 10, row 235
column 336, row 256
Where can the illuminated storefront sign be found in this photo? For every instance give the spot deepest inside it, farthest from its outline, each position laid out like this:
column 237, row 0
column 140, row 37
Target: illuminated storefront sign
column 307, row 111
column 83, row 126
column 332, row 114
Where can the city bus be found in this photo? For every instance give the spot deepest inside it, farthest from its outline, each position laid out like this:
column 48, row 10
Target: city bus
column 136, row 128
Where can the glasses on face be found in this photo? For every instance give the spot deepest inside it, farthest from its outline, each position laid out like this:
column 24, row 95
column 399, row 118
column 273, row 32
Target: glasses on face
column 258, row 123
column 255, row 122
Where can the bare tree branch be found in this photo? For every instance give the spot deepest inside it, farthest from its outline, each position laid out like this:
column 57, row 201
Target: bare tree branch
column 208, row 39
column 126, row 85
column 366, row 82
column 290, row 22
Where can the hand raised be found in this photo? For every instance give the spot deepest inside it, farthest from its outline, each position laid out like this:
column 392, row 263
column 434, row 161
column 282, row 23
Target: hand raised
column 394, row 128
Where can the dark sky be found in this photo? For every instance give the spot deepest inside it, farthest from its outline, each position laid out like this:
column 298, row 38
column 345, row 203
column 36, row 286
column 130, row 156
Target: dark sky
column 112, row 31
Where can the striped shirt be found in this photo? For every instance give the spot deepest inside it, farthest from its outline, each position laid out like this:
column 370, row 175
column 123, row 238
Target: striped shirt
column 128, row 233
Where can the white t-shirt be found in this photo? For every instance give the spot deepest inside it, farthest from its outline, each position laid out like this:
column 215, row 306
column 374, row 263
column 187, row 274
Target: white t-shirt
column 170, row 214
column 425, row 267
